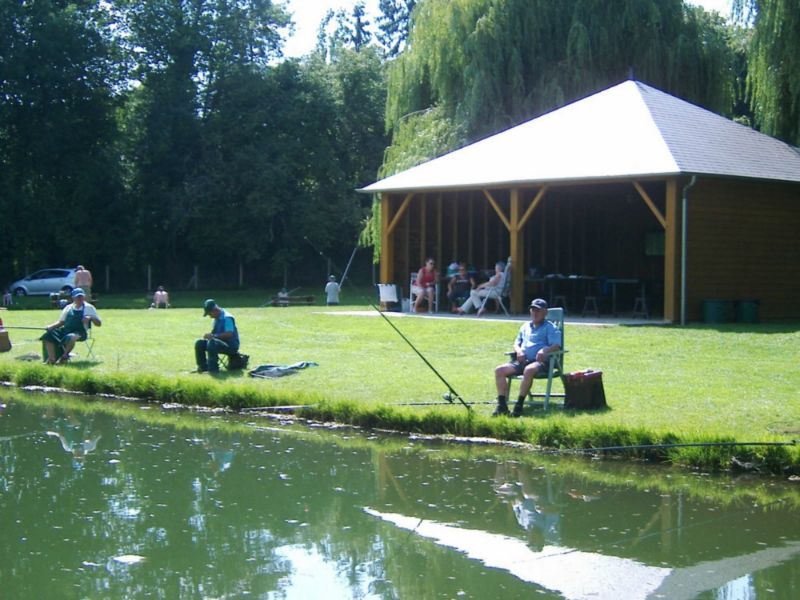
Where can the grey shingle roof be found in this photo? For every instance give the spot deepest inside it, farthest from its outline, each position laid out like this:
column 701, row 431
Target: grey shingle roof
column 629, row 130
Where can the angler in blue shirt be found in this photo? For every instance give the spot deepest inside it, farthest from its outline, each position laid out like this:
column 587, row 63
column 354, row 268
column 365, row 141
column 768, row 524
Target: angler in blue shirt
column 535, row 341
column 223, row 339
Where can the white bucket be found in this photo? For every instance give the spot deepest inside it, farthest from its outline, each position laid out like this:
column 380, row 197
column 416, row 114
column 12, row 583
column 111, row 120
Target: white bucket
column 406, row 304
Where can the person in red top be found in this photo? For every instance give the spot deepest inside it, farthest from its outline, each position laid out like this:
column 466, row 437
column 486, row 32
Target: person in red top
column 425, row 285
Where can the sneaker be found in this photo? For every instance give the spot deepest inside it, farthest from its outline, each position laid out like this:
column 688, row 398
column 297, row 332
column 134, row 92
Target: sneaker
column 517, row 410
column 500, row 409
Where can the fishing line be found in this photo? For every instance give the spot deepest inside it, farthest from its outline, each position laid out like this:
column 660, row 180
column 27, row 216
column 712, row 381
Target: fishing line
column 667, row 446
column 452, row 393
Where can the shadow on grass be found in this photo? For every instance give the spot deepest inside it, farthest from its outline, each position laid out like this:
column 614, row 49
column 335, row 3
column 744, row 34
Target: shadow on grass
column 755, row 328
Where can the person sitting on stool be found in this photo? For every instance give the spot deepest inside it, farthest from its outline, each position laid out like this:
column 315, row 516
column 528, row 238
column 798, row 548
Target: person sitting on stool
column 223, row 339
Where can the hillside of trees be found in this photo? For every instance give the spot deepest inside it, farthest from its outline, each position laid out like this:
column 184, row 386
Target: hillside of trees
column 175, row 134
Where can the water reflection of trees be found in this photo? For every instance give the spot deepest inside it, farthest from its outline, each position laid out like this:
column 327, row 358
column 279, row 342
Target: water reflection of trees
column 208, row 511
column 216, row 510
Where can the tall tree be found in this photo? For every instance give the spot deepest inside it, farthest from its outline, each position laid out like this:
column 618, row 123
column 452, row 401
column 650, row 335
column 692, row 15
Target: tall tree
column 183, row 50
column 394, row 23
column 490, row 64
column 773, row 65
column 59, row 175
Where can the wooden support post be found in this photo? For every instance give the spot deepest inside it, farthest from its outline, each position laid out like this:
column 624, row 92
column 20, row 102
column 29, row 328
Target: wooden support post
column 517, row 246
column 671, row 252
column 387, row 240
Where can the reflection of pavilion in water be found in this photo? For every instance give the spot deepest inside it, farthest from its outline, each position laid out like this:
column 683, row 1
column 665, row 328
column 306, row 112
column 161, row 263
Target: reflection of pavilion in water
column 577, row 574
column 606, row 543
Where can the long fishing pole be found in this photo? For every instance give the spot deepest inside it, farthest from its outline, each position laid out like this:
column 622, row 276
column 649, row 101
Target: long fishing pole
column 677, row 445
column 23, row 327
column 347, row 268
column 449, row 397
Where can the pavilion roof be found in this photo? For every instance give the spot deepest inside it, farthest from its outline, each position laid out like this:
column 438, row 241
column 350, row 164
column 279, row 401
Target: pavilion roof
column 630, row 130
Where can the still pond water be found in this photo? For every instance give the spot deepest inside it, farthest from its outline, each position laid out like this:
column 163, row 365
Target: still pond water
column 103, row 500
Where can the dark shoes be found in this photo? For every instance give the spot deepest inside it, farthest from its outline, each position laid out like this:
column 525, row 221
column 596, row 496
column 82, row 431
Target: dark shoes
column 517, row 409
column 500, row 409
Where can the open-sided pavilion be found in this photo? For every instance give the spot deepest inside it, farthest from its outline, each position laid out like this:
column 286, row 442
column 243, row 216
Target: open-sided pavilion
column 630, row 184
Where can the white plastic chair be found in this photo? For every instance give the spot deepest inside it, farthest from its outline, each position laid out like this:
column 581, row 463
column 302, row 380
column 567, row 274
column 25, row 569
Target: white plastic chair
column 415, row 290
column 500, row 291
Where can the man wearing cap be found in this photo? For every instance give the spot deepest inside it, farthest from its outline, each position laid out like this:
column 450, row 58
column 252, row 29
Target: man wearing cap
column 223, row 339
column 72, row 325
column 535, row 341
column 332, row 291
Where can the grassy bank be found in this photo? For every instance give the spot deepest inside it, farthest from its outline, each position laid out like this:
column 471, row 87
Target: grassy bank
column 664, row 384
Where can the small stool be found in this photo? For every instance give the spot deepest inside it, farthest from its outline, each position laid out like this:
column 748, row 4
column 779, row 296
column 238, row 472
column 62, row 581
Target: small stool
column 561, row 301
column 640, row 306
column 590, row 306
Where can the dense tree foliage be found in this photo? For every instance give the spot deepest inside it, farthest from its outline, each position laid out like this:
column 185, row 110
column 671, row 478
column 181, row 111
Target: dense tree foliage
column 774, row 65
column 171, row 133
column 58, row 180
column 394, row 23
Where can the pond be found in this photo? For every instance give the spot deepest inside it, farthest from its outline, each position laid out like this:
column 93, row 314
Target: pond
column 114, row 500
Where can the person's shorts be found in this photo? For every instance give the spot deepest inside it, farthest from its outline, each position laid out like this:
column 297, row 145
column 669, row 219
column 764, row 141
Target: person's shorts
column 520, row 367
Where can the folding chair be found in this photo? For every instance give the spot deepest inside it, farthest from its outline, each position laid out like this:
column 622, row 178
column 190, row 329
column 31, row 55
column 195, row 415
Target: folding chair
column 555, row 366
column 388, row 297
column 234, row 362
column 88, row 342
column 415, row 291
column 501, row 291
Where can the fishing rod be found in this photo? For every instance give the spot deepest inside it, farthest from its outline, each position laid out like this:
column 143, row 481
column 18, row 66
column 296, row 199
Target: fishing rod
column 347, row 268
column 683, row 445
column 318, row 251
column 23, row 327
column 451, row 392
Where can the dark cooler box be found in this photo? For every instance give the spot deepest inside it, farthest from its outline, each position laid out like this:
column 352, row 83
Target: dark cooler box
column 584, row 389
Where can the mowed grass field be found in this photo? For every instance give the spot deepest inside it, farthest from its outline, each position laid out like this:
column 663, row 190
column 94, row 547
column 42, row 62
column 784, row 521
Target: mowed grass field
column 724, row 382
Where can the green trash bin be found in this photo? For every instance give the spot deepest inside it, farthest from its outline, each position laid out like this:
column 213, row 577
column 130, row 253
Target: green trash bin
column 716, row 311
column 747, row 311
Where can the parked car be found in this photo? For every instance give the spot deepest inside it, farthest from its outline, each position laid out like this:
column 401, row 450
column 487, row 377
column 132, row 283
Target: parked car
column 43, row 282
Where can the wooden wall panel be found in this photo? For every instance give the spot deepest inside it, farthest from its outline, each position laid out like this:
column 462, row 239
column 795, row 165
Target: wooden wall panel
column 743, row 244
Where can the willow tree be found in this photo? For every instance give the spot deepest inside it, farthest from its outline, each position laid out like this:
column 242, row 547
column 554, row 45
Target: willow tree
column 486, row 65
column 773, row 65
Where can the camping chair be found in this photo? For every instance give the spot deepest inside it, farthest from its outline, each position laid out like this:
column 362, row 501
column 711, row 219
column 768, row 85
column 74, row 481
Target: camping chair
column 388, row 297
column 556, row 364
column 414, row 291
column 502, row 290
column 88, row 342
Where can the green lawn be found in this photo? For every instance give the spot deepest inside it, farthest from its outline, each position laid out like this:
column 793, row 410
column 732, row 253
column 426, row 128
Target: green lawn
column 696, row 383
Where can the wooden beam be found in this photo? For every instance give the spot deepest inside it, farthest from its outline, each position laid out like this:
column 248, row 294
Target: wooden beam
column 651, row 204
column 671, row 252
column 439, row 216
column 516, row 244
column 529, row 212
column 497, row 209
column 423, row 229
column 387, row 242
column 400, row 212
column 454, row 227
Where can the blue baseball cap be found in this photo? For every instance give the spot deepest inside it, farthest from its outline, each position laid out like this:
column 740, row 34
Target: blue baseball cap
column 77, row 292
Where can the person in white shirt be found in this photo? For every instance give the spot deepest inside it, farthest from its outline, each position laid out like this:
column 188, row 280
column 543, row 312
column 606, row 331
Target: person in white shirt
column 72, row 325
